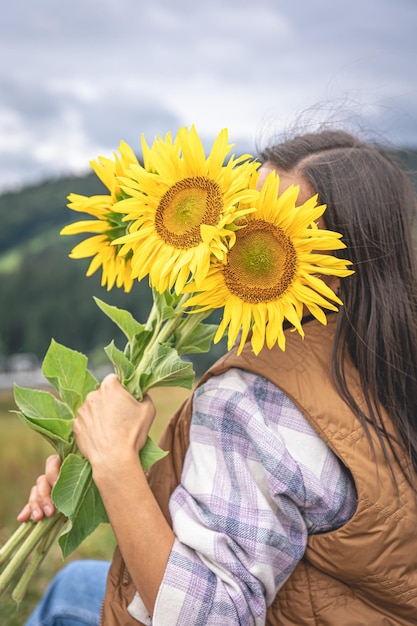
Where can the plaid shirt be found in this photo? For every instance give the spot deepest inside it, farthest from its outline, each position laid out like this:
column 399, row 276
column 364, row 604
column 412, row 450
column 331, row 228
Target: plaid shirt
column 257, row 480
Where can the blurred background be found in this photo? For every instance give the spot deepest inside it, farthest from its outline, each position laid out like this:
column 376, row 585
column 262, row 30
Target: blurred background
column 78, row 77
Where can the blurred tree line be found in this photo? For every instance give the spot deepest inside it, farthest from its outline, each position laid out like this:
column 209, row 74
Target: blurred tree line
column 44, row 294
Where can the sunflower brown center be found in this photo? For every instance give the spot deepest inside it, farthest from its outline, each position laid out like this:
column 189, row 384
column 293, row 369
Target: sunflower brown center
column 262, row 263
column 184, row 207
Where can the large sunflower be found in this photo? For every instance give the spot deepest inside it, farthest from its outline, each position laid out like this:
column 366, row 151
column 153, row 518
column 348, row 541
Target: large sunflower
column 108, row 224
column 183, row 207
column 272, row 271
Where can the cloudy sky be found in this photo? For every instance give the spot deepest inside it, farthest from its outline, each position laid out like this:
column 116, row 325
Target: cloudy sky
column 78, row 76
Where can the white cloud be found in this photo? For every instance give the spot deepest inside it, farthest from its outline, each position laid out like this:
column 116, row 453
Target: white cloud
column 78, row 77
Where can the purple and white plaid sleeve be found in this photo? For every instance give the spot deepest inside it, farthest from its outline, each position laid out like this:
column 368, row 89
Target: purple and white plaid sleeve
column 257, row 480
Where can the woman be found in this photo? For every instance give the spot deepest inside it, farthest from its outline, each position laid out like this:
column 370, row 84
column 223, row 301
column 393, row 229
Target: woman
column 293, row 489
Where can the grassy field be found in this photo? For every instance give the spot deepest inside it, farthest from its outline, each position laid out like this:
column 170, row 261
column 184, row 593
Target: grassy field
column 22, row 456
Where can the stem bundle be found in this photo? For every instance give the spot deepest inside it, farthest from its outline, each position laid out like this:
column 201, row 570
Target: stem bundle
column 26, row 549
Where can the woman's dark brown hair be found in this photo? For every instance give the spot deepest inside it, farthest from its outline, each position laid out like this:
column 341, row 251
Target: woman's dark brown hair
column 371, row 201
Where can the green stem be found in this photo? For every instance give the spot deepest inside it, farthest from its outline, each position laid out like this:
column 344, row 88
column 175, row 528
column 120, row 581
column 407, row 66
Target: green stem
column 39, row 530
column 41, row 551
column 165, row 331
column 161, row 334
column 13, row 542
column 151, row 317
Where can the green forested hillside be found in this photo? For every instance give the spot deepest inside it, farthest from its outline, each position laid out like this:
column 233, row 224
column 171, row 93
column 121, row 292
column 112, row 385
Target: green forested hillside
column 39, row 209
column 43, row 293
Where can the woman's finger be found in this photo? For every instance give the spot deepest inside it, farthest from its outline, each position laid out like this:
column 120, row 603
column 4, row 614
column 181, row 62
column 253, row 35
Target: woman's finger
column 36, row 511
column 25, row 514
column 52, row 468
column 43, row 496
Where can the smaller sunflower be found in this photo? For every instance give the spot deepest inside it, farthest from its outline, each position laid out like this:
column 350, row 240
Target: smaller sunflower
column 272, row 271
column 108, row 225
column 183, row 207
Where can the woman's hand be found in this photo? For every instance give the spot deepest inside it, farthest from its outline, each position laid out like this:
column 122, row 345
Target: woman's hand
column 111, row 425
column 40, row 502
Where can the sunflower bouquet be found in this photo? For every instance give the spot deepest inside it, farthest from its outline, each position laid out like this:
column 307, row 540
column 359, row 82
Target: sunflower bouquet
column 207, row 238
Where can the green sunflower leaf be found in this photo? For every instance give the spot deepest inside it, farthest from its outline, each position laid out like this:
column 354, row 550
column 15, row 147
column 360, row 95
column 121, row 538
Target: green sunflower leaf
column 123, row 367
column 66, row 370
column 53, row 440
column 167, row 370
column 77, row 497
column 42, row 406
column 198, row 341
column 165, row 304
column 138, row 345
column 123, row 319
column 150, row 454
column 45, row 414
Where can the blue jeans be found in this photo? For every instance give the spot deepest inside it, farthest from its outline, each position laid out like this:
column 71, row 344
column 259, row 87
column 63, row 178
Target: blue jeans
column 74, row 596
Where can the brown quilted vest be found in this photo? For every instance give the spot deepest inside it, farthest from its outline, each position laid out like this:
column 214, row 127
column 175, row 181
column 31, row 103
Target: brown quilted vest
column 362, row 574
